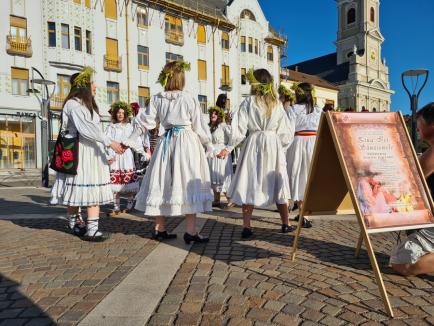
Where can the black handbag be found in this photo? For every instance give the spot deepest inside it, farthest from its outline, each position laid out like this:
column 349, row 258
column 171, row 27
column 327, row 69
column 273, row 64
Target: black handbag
column 65, row 154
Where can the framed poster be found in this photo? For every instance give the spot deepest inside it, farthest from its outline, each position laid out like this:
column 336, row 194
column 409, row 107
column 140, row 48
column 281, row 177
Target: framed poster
column 383, row 171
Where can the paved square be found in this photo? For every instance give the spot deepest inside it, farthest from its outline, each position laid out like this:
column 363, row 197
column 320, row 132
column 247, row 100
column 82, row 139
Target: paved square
column 51, row 277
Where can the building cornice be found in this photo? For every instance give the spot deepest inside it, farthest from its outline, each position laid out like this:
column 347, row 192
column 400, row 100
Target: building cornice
column 185, row 11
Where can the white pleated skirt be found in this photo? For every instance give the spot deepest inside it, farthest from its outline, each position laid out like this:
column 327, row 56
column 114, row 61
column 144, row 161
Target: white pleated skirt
column 91, row 186
column 299, row 157
column 177, row 180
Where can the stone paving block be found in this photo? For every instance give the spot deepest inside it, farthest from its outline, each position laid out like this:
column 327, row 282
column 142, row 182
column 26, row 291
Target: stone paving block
column 293, row 309
column 260, row 314
column 332, row 321
column 352, row 318
column 274, row 305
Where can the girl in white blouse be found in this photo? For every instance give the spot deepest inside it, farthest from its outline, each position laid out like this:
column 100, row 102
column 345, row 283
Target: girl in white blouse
column 177, row 181
column 261, row 178
column 90, row 187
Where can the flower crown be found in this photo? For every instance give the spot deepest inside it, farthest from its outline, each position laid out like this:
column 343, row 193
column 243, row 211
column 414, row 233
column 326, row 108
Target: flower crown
column 164, row 76
column 260, row 88
column 122, row 105
column 300, row 91
column 283, row 91
column 84, row 77
column 219, row 110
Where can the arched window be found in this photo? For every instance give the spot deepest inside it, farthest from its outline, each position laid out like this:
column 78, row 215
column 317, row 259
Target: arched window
column 270, row 53
column 247, row 14
column 351, row 16
column 201, row 34
column 372, row 14
column 142, row 17
column 225, row 41
column 173, row 29
column 110, row 9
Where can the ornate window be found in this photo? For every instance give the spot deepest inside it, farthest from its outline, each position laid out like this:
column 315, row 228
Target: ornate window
column 243, row 44
column 351, row 16
column 201, row 34
column 143, row 57
column 225, row 41
column 201, row 69
column 111, row 10
column 142, row 17
column 270, row 53
column 174, row 32
column 247, row 14
column 144, row 96
column 372, row 14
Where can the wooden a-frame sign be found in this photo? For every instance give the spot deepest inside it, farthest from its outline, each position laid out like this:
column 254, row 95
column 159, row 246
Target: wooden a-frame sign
column 352, row 148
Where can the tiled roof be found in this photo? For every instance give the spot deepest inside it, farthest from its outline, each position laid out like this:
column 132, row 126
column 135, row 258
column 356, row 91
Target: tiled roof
column 298, row 76
column 324, row 67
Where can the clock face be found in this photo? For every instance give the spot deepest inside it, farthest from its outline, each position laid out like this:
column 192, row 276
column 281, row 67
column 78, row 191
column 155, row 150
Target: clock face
column 373, row 55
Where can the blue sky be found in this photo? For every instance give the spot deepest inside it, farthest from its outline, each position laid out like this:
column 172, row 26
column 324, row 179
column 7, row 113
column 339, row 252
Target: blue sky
column 407, row 26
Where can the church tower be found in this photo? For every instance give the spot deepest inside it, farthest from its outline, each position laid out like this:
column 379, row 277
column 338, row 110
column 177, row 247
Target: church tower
column 358, row 45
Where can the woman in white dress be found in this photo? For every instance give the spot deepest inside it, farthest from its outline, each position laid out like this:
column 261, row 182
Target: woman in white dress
column 123, row 176
column 220, row 168
column 177, row 181
column 90, row 187
column 305, row 116
column 261, row 178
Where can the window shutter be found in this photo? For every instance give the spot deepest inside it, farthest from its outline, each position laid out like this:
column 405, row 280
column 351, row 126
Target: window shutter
column 112, row 48
column 201, row 34
column 18, row 22
column 111, row 9
column 201, row 69
column 18, row 73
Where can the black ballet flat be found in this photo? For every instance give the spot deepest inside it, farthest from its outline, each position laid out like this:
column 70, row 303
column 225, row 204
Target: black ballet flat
column 307, row 224
column 160, row 236
column 246, row 233
column 98, row 236
column 194, row 238
column 287, row 228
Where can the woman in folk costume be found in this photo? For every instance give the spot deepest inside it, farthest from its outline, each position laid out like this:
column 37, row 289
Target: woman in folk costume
column 177, row 181
column 123, row 176
column 305, row 115
column 261, row 178
column 90, row 187
column 220, row 168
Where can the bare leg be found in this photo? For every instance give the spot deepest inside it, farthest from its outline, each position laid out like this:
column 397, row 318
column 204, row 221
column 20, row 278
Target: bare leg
column 283, row 211
column 247, row 215
column 425, row 265
column 93, row 212
column 190, row 220
column 160, row 224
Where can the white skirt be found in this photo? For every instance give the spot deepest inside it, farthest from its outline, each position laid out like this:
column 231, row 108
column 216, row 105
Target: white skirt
column 123, row 175
column 177, row 180
column 221, row 172
column 298, row 158
column 91, row 185
column 260, row 178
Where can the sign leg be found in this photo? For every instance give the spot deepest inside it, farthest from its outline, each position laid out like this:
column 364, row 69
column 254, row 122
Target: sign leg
column 359, row 245
column 377, row 273
column 297, row 235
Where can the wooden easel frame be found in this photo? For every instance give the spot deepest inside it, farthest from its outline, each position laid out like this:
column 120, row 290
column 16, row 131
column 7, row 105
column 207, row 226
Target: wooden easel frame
column 326, row 122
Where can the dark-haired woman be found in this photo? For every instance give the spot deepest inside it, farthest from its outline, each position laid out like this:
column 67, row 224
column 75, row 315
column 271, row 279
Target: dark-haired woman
column 305, row 115
column 123, row 174
column 90, row 187
column 220, row 168
column 261, row 178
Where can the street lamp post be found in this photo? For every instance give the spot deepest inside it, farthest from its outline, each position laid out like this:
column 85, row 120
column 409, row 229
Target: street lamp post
column 414, row 95
column 44, row 102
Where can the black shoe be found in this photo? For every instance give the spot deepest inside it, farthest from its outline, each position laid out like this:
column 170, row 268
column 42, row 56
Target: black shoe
column 97, row 236
column 216, row 204
column 160, row 236
column 306, row 223
column 79, row 229
column 297, row 218
column 288, row 228
column 246, row 233
column 195, row 238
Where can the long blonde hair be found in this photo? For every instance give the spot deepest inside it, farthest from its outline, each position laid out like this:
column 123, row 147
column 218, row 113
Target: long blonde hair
column 263, row 89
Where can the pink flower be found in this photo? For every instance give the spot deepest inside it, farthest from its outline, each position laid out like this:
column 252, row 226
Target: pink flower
column 58, row 162
column 67, row 155
column 58, row 148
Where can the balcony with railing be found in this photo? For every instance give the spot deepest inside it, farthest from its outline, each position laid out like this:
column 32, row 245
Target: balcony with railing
column 19, row 46
column 174, row 37
column 113, row 63
column 56, row 102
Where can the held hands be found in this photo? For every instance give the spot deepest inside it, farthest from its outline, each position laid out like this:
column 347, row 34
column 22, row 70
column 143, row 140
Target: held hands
column 110, row 161
column 223, row 153
column 117, row 147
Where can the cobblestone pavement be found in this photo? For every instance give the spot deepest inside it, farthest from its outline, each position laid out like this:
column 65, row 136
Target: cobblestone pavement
column 47, row 276
column 235, row 282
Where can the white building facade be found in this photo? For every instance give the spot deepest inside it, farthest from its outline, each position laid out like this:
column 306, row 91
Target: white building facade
column 127, row 43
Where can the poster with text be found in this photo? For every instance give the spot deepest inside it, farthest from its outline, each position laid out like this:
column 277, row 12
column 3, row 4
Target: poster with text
column 382, row 169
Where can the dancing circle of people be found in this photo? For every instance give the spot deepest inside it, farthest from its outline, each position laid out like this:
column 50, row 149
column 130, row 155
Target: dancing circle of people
column 189, row 162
